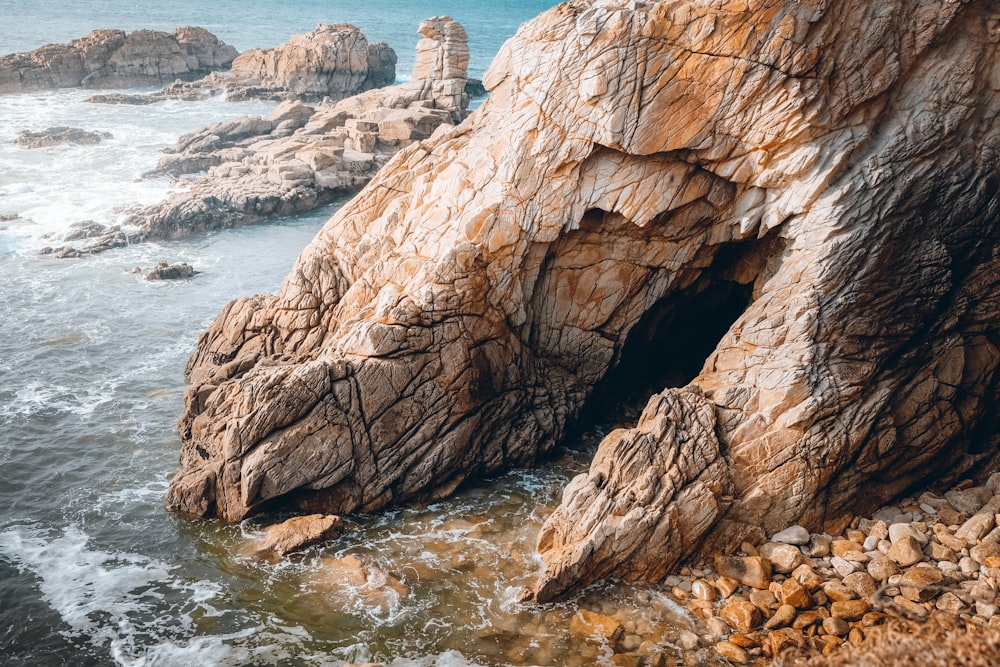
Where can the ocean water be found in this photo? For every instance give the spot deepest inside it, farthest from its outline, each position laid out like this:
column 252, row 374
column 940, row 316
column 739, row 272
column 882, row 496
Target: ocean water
column 92, row 570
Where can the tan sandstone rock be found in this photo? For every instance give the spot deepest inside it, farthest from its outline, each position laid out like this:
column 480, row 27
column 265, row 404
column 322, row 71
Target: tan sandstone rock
column 837, row 161
column 114, row 59
column 296, row 534
column 334, row 61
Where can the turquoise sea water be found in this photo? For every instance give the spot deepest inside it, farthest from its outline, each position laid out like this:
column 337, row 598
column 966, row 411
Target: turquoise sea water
column 92, row 570
column 248, row 24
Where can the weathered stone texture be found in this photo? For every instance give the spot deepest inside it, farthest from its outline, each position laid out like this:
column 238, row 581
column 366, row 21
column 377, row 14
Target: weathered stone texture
column 840, row 160
column 112, row 59
column 333, row 61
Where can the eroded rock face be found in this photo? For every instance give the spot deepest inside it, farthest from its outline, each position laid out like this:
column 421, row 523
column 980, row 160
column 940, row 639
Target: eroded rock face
column 334, row 61
column 113, row 59
column 838, row 160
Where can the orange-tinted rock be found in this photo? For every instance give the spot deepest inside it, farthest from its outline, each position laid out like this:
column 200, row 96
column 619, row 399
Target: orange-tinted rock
column 114, row 59
column 454, row 318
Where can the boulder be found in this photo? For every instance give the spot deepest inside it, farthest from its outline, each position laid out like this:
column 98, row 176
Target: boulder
column 55, row 136
column 114, row 59
column 166, row 271
column 334, row 61
column 296, row 534
column 828, row 170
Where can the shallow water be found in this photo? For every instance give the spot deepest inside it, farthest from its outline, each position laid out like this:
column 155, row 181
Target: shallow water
column 92, row 570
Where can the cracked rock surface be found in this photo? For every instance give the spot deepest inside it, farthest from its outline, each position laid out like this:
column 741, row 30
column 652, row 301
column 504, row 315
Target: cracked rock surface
column 114, row 59
column 839, row 160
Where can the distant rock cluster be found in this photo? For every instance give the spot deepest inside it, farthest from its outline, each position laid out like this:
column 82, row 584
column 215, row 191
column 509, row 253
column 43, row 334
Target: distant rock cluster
column 114, row 59
column 299, row 157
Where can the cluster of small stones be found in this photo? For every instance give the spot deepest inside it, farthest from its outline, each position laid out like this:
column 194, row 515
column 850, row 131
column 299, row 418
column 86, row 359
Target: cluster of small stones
column 927, row 557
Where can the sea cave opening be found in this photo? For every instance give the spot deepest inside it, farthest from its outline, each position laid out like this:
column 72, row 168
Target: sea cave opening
column 669, row 345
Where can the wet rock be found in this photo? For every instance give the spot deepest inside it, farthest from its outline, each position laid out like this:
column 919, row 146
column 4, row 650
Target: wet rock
column 718, row 627
column 753, row 571
column 87, row 229
column 732, row 653
column 114, row 59
column 764, row 600
column 55, row 136
column 741, row 615
column 591, row 625
column 296, row 534
column 166, row 271
column 726, row 586
column 702, row 590
column 796, row 535
column 784, row 557
column 359, row 582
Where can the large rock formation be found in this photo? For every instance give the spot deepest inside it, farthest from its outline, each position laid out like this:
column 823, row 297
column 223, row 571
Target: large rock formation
column 112, row 59
column 826, row 171
column 334, row 61
column 299, row 157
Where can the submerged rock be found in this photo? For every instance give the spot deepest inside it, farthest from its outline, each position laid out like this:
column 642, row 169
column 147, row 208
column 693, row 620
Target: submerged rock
column 360, row 583
column 114, row 59
column 334, row 61
column 54, row 136
column 837, row 171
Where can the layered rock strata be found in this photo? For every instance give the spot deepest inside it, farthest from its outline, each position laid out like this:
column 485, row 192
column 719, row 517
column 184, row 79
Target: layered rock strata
column 299, row 157
column 837, row 164
column 114, row 59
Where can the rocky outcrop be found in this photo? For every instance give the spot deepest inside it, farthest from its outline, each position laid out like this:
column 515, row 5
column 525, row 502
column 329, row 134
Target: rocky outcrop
column 826, row 171
column 334, row 61
column 112, row 59
column 295, row 534
column 55, row 136
column 299, row 157
column 167, row 271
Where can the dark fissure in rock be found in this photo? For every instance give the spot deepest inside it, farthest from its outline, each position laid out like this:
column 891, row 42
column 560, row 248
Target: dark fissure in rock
column 670, row 343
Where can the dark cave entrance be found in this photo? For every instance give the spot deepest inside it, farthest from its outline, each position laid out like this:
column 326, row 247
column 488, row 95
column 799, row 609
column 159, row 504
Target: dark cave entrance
column 671, row 342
